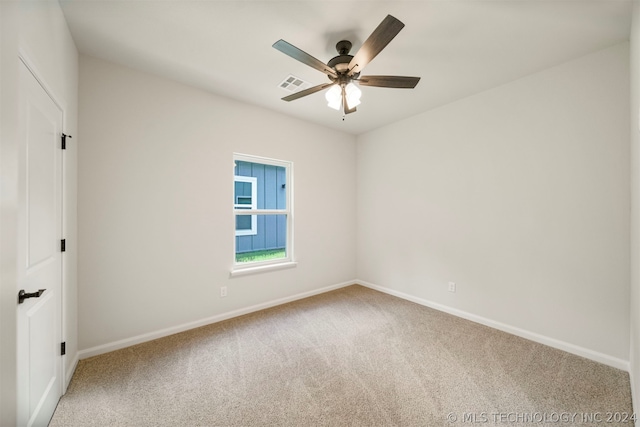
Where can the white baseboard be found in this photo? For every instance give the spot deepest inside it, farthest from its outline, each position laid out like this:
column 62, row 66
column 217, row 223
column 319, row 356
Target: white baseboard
column 551, row 342
column 127, row 342
column 632, row 382
column 634, row 397
column 69, row 373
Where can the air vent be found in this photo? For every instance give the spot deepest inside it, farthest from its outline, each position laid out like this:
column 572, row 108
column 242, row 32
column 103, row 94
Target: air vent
column 294, row 84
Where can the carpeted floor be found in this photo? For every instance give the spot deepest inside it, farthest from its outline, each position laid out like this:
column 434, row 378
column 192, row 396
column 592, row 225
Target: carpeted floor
column 352, row 357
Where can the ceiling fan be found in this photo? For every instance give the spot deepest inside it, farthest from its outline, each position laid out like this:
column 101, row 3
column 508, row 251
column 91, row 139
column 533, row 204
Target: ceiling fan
column 344, row 69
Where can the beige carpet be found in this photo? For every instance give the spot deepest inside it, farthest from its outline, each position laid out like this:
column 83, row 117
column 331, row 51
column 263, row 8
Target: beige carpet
column 350, row 357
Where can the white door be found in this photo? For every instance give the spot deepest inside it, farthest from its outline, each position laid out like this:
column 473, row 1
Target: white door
column 39, row 253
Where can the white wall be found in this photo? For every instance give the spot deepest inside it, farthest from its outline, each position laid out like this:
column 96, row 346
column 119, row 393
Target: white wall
column 634, row 356
column 520, row 195
column 8, row 208
column 155, row 187
column 36, row 30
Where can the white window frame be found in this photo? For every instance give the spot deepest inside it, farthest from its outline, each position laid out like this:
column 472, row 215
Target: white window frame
column 253, row 206
column 239, row 269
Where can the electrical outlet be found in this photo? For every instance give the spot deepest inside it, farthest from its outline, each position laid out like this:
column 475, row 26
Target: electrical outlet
column 452, row 287
column 223, row 291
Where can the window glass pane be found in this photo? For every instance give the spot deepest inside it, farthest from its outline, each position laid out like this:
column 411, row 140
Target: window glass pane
column 269, row 242
column 270, row 184
column 245, row 192
column 243, row 189
column 243, row 222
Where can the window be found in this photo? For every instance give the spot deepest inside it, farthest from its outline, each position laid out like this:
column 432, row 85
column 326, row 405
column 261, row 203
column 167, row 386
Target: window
column 245, row 194
column 263, row 211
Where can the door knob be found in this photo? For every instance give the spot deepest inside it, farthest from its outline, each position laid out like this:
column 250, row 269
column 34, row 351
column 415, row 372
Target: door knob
column 22, row 295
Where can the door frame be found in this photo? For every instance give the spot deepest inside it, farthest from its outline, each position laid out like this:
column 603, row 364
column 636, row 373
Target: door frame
column 33, row 69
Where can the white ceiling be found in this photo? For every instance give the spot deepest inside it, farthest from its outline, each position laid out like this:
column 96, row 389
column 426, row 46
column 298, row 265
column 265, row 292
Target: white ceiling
column 457, row 47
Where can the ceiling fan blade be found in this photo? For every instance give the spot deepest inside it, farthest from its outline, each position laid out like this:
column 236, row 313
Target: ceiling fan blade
column 381, row 36
column 347, row 110
column 304, row 57
column 306, row 92
column 389, row 81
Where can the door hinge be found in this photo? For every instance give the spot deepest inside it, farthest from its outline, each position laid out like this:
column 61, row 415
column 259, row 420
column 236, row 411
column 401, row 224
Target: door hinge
column 64, row 140
column 63, row 348
column 63, row 245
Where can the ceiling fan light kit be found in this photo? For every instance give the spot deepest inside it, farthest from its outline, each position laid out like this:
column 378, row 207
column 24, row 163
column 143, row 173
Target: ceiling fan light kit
column 352, row 94
column 344, row 70
column 334, row 97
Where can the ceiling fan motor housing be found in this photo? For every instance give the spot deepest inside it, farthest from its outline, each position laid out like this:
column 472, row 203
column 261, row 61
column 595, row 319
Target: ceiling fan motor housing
column 341, row 62
column 343, row 47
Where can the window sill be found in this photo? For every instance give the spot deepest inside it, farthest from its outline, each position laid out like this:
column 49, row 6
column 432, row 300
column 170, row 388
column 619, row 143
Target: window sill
column 262, row 268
